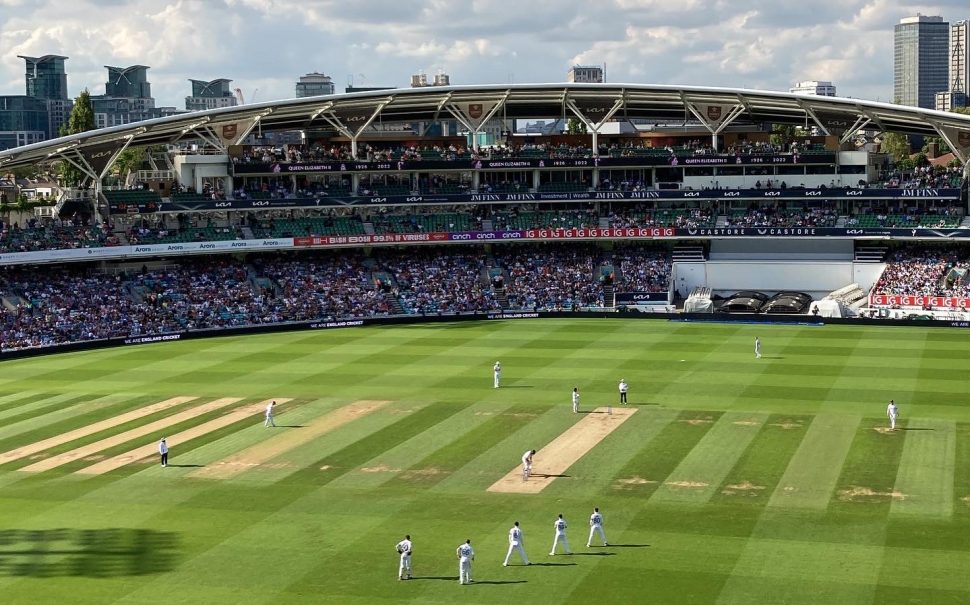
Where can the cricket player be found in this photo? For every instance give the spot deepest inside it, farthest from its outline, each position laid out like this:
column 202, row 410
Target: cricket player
column 575, row 400
column 757, row 348
column 560, row 527
column 527, row 464
column 466, row 554
column 623, row 389
column 404, row 549
column 163, row 450
column 515, row 543
column 497, row 373
column 270, row 410
column 893, row 412
column 596, row 525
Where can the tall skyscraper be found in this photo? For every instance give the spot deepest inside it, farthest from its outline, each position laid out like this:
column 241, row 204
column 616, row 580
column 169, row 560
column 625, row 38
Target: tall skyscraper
column 128, row 82
column 960, row 57
column 313, row 85
column 210, row 95
column 46, row 80
column 920, row 60
column 127, row 98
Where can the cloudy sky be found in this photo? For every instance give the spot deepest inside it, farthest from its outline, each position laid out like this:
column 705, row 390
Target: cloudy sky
column 268, row 44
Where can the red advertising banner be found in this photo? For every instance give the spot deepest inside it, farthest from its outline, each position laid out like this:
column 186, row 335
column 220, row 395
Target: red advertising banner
column 910, row 300
column 525, row 235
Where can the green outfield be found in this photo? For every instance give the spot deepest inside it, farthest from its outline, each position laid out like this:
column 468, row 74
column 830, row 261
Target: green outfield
column 736, row 480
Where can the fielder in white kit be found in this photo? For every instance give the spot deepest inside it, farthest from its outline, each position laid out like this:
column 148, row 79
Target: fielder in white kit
column 497, row 373
column 575, row 400
column 466, row 554
column 515, row 543
column 404, row 549
column 560, row 527
column 596, row 525
column 270, row 410
column 893, row 412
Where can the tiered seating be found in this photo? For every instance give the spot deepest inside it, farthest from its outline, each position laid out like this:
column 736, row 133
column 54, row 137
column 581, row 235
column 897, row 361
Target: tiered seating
column 299, row 227
column 908, row 221
column 548, row 219
column 191, row 197
column 186, row 234
column 416, row 223
column 51, row 237
column 132, row 196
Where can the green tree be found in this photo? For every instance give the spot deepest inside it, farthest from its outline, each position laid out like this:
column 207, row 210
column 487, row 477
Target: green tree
column 80, row 120
column 127, row 161
column 783, row 135
column 941, row 146
column 921, row 160
column 895, row 144
column 575, row 126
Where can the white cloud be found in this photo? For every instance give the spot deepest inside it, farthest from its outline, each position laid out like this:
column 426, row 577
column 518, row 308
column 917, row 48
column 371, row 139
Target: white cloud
column 268, row 44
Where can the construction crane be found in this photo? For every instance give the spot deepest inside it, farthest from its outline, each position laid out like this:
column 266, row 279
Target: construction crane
column 242, row 99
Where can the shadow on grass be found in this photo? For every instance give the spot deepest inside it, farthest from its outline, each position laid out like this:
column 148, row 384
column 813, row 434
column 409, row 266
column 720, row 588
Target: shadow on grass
column 290, row 426
column 547, row 476
column 519, row 386
column 91, row 553
column 499, row 581
column 916, row 428
column 186, row 465
column 628, row 546
column 553, row 564
column 448, row 578
column 592, row 554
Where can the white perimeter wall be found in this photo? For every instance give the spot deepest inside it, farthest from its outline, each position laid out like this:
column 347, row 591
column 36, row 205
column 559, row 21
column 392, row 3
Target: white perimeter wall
column 817, row 277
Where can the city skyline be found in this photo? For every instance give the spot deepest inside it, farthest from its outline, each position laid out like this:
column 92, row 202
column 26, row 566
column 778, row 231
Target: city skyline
column 269, row 44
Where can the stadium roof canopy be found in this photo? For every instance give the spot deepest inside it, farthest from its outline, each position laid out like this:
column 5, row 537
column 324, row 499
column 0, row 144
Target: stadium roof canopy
column 472, row 106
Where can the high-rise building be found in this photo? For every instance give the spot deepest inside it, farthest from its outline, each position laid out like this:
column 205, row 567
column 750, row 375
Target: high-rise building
column 585, row 73
column 46, row 79
column 210, row 95
column 23, row 120
column 960, row 57
column 920, row 60
column 420, row 80
column 950, row 100
column 313, row 85
column 127, row 98
column 814, row 87
column 128, row 82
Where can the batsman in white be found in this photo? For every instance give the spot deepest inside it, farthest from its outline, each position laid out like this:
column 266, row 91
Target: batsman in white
column 404, row 549
column 527, row 464
column 560, row 526
column 893, row 412
column 497, row 373
column 596, row 525
column 466, row 554
column 515, row 543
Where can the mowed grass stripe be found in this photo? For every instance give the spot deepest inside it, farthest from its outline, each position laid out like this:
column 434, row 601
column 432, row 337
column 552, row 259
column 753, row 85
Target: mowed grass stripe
column 426, row 459
column 869, row 471
column 925, row 475
column 175, row 440
column 757, row 473
column 135, row 433
column 700, row 473
column 383, row 439
column 814, row 469
column 67, row 417
column 23, row 398
column 660, row 456
column 39, row 406
column 91, row 429
column 278, row 444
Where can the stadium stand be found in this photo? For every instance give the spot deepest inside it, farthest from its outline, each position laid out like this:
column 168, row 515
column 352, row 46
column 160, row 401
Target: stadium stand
column 925, row 270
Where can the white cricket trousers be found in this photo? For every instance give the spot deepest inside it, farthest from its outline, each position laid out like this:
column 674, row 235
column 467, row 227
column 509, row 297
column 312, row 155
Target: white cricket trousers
column 595, row 529
column 498, row 378
column 464, row 570
column 892, row 421
column 518, row 547
column 565, row 544
column 405, row 566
